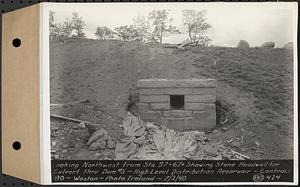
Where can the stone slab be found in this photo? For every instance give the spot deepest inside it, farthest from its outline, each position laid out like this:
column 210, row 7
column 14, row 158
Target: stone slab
column 150, row 114
column 177, row 91
column 143, row 107
column 194, row 106
column 200, row 98
column 154, row 98
column 177, row 83
column 160, row 106
column 204, row 119
column 176, row 123
column 205, row 122
column 177, row 113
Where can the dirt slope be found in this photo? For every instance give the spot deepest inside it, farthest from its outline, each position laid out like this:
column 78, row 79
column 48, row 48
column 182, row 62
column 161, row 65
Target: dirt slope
column 254, row 89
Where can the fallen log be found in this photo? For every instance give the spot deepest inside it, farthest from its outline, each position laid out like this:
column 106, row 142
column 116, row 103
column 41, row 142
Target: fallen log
column 91, row 126
column 240, row 154
column 70, row 103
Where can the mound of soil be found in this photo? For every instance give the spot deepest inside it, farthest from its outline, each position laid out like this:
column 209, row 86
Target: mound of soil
column 254, row 90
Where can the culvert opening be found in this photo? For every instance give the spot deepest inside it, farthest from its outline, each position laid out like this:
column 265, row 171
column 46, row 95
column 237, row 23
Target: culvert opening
column 177, row 102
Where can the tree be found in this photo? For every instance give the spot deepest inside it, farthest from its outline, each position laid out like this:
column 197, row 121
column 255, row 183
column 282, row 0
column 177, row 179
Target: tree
column 162, row 24
column 52, row 25
column 142, row 26
column 196, row 26
column 63, row 31
column 104, row 33
column 127, row 33
column 51, row 19
column 78, row 25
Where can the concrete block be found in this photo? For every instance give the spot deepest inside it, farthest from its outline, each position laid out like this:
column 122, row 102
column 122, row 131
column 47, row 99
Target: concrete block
column 204, row 119
column 143, row 107
column 210, row 107
column 177, row 113
column 199, row 123
column 210, row 110
column 175, row 123
column 177, row 91
column 160, row 106
column 200, row 98
column 177, row 83
column 151, row 116
column 154, row 98
column 194, row 106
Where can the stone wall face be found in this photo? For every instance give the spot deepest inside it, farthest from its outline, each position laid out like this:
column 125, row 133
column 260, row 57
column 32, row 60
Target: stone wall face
column 196, row 110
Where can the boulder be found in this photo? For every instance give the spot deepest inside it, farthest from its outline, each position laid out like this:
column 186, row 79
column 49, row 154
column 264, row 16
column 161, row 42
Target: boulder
column 243, row 44
column 288, row 46
column 268, row 45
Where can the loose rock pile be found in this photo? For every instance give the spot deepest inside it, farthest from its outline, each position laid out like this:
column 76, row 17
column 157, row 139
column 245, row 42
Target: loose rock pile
column 100, row 140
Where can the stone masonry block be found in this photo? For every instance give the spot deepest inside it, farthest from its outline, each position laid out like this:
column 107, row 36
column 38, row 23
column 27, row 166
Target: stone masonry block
column 197, row 112
column 151, row 116
column 176, row 123
column 200, row 98
column 160, row 106
column 143, row 107
column 210, row 111
column 203, row 122
column 154, row 98
column 194, row 106
column 177, row 83
column 204, row 119
column 210, row 107
column 177, row 113
column 177, row 91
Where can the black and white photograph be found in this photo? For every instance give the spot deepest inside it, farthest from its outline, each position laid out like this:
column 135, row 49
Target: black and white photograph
column 172, row 81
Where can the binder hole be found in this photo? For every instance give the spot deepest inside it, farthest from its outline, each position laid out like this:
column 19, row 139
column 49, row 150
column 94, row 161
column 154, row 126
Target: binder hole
column 16, row 145
column 16, row 42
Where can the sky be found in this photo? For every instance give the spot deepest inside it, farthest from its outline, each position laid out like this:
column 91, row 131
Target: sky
column 231, row 22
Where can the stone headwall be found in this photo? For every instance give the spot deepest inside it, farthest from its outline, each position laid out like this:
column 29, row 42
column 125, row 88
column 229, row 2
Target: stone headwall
column 198, row 111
